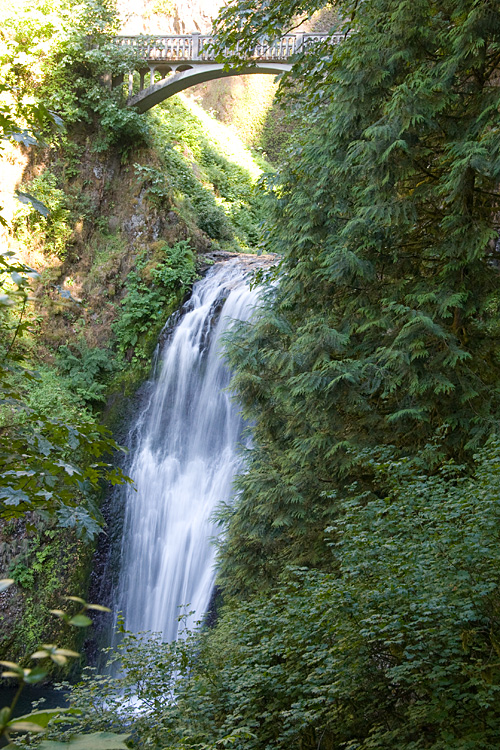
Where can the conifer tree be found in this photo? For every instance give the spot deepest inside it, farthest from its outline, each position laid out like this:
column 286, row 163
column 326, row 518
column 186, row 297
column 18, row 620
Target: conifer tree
column 383, row 330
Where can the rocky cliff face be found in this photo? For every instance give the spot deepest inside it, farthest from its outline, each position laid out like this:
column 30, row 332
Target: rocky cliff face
column 187, row 16
column 167, row 16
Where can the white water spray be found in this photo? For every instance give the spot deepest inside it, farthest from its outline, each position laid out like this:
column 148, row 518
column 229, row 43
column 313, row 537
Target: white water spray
column 184, row 460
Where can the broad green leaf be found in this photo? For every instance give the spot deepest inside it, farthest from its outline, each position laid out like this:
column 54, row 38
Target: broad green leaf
column 24, row 137
column 94, row 741
column 31, row 200
column 57, row 612
column 35, row 675
column 12, row 496
column 98, row 607
column 10, row 664
column 40, row 718
column 17, row 278
column 24, row 726
column 80, row 621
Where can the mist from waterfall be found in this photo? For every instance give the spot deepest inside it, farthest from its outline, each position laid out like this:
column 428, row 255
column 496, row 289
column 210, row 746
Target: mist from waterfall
column 183, row 459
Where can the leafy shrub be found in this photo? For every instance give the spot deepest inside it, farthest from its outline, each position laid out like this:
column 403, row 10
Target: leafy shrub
column 47, row 464
column 212, row 219
column 38, row 561
column 59, row 51
column 202, row 164
column 146, row 305
column 155, row 183
column 164, row 7
column 87, row 370
column 46, row 656
column 53, row 396
column 396, row 649
column 146, row 669
column 53, row 230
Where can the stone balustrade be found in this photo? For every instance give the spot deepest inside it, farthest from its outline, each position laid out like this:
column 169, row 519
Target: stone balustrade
column 198, row 47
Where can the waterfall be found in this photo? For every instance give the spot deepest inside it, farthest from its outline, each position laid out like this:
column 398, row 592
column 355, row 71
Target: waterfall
column 183, row 458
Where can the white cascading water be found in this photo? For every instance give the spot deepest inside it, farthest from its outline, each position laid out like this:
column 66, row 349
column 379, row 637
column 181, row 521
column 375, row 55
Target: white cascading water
column 184, row 459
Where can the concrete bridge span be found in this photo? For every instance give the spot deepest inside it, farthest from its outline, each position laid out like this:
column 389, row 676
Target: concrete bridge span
column 170, row 64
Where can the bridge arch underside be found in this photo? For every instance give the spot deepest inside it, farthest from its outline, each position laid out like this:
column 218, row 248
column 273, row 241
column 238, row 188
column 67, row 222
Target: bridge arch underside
column 183, row 79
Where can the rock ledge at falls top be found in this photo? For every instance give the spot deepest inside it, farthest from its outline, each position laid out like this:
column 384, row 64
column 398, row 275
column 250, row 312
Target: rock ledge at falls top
column 207, row 260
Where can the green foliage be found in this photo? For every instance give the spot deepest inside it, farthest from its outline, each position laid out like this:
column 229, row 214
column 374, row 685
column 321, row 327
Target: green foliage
column 52, row 395
column 51, row 230
column 211, row 219
column 241, row 26
column 37, row 721
column 384, row 327
column 395, row 648
column 15, row 277
column 370, row 376
column 21, row 120
column 146, row 673
column 145, row 669
column 201, row 162
column 73, row 85
column 24, row 574
column 149, row 300
column 50, row 466
column 38, row 568
column 88, row 370
column 155, row 183
column 247, row 104
column 47, row 563
column 58, row 52
column 47, row 465
column 370, row 369
column 163, row 8
column 53, row 459
column 92, row 741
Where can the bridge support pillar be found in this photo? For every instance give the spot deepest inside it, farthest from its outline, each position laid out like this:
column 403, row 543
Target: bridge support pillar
column 131, row 83
column 196, row 45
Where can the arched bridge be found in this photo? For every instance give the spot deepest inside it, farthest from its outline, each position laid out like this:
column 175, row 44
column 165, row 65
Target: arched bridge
column 182, row 61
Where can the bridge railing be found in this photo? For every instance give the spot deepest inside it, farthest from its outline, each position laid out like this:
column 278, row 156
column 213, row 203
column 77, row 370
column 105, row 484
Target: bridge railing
column 198, row 47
